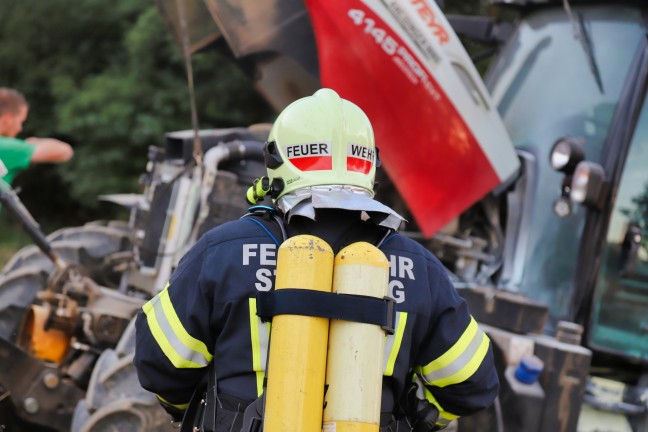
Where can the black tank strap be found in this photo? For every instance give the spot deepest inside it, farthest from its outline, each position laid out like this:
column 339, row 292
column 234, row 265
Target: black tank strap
column 347, row 307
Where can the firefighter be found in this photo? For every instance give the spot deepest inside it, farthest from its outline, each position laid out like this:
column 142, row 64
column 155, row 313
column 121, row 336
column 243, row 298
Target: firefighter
column 321, row 162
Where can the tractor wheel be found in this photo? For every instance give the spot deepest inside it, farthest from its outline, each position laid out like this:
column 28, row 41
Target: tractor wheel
column 98, row 249
column 115, row 400
column 95, row 246
column 17, row 292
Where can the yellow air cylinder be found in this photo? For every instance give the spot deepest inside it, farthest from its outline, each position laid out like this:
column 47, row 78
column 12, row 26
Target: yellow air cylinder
column 355, row 355
column 297, row 358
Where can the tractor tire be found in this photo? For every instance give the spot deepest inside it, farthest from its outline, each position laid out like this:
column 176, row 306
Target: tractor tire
column 18, row 290
column 92, row 246
column 114, row 400
column 98, row 249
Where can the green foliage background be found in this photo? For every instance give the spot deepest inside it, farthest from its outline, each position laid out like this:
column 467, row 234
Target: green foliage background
column 106, row 77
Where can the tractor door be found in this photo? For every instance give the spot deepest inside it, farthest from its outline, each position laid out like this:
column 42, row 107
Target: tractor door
column 620, row 309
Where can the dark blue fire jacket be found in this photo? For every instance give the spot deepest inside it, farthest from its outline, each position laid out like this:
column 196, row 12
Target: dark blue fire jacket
column 207, row 313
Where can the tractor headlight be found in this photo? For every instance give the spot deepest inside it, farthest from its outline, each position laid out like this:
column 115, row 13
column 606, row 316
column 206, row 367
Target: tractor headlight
column 565, row 154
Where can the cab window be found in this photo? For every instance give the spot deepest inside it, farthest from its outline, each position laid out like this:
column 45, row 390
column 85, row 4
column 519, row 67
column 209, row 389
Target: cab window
column 620, row 319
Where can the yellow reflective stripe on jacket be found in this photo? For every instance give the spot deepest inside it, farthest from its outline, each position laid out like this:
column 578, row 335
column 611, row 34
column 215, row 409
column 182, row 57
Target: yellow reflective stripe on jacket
column 423, row 393
column 179, row 406
column 444, row 417
column 182, row 350
column 259, row 335
column 461, row 361
column 393, row 343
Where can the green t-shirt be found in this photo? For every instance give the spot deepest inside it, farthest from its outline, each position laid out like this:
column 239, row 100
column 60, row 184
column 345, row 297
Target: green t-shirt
column 16, row 154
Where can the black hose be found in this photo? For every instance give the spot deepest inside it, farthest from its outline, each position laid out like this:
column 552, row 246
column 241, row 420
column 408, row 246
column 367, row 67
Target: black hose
column 499, row 420
column 15, row 207
column 245, row 150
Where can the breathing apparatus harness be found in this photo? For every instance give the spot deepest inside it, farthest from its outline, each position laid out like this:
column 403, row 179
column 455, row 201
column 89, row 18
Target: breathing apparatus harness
column 201, row 414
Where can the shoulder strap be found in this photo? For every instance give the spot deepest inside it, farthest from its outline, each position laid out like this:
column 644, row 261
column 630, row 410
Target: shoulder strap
column 201, row 412
column 211, row 399
column 270, row 219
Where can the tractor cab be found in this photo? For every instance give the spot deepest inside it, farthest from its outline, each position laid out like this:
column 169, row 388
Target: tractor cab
column 570, row 85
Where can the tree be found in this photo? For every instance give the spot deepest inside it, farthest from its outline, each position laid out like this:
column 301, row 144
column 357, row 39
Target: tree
column 107, row 77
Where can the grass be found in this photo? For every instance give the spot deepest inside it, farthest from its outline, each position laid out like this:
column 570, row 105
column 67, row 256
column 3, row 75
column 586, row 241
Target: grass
column 6, row 252
column 12, row 238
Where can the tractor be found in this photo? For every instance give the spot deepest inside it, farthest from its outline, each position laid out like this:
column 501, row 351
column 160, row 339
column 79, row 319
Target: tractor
column 552, row 259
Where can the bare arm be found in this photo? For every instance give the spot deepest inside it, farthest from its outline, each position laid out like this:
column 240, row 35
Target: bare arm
column 50, row 150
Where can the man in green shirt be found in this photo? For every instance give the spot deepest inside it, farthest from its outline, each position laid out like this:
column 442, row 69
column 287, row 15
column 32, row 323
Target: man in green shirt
column 18, row 154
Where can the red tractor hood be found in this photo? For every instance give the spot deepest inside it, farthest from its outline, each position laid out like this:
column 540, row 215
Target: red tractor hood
column 441, row 139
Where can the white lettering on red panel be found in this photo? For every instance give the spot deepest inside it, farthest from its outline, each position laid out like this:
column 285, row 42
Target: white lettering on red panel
column 310, row 156
column 399, row 54
column 360, row 158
